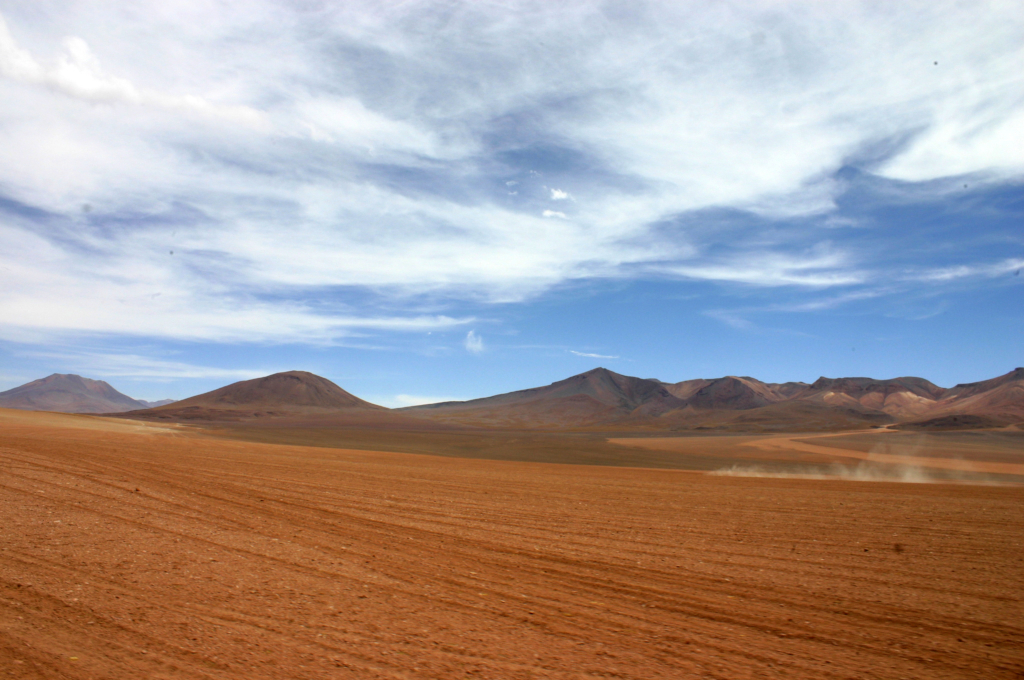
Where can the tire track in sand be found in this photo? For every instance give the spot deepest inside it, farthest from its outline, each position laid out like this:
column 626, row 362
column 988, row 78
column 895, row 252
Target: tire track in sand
column 237, row 560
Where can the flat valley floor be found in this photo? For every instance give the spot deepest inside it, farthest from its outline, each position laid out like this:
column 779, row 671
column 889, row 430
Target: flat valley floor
column 132, row 550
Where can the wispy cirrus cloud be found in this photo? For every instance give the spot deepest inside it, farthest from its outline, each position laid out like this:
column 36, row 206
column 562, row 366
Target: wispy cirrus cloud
column 968, row 271
column 299, row 163
column 129, row 365
column 813, row 270
column 593, row 356
column 901, row 290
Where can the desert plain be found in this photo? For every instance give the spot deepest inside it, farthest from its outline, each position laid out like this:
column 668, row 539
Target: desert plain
column 148, row 550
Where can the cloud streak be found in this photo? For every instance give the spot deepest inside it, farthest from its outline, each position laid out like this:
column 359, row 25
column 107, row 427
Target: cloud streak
column 139, row 366
column 592, row 356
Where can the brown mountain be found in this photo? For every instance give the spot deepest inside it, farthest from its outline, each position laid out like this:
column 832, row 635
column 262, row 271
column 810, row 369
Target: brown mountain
column 901, row 398
column 291, row 392
column 1000, row 398
column 601, row 398
column 732, row 394
column 597, row 396
column 787, row 390
column 794, row 415
column 154, row 404
column 859, row 387
column 966, row 390
column 746, row 404
column 68, row 393
column 290, row 402
column 687, row 388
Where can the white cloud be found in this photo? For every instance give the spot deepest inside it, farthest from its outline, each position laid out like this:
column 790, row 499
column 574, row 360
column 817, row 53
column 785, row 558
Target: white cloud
column 990, row 270
column 46, row 292
column 830, row 302
column 346, row 121
column 730, row 318
column 474, row 343
column 291, row 175
column 592, row 356
column 138, row 366
column 77, row 73
column 815, row 269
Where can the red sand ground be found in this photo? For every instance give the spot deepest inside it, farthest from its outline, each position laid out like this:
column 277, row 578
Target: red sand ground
column 135, row 551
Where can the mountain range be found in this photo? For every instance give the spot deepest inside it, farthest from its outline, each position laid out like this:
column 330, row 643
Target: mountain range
column 600, row 398
column 597, row 399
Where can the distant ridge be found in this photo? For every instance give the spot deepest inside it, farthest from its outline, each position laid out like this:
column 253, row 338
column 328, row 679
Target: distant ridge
column 1001, row 398
column 69, row 393
column 154, row 404
column 731, row 393
column 597, row 396
column 598, row 399
column 602, row 398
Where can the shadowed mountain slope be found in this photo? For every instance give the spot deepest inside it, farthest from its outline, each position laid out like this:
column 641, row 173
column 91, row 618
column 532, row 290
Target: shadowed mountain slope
column 1001, row 398
column 597, row 396
column 965, row 390
column 281, row 394
column 861, row 387
column 292, row 390
column 732, row 394
column 290, row 401
column 68, row 393
column 900, row 398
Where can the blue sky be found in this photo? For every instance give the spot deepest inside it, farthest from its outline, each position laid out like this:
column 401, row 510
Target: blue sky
column 438, row 200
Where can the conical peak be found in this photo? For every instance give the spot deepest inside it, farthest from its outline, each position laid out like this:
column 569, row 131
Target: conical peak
column 286, row 390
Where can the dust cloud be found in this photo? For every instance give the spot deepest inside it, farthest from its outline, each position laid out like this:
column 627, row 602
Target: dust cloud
column 863, row 472
column 885, row 468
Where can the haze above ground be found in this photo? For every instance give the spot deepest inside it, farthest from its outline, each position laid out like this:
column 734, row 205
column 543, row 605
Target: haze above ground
column 447, row 201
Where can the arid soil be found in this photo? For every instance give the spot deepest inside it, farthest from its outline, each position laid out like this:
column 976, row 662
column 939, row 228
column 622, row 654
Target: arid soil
column 133, row 550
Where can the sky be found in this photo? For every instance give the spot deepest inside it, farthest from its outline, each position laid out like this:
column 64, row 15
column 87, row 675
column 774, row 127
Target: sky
column 433, row 200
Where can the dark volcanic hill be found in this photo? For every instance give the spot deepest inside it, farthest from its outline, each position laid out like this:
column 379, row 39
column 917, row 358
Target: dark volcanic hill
column 597, row 396
column 68, row 393
column 295, row 391
column 293, row 401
